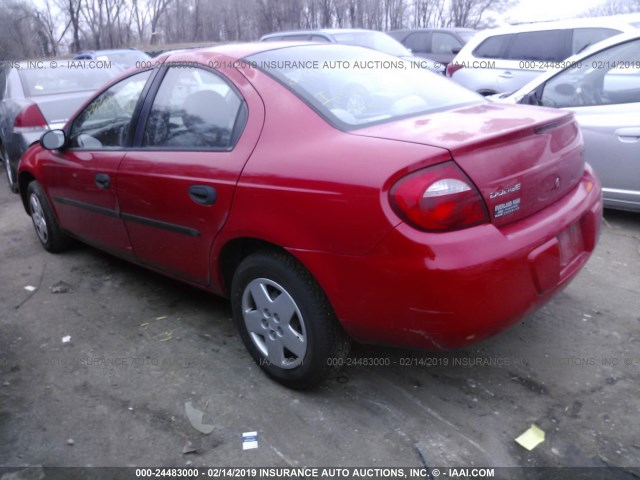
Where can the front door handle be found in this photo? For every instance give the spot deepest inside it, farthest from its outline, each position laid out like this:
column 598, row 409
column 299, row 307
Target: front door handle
column 628, row 134
column 506, row 75
column 103, row 180
column 203, row 194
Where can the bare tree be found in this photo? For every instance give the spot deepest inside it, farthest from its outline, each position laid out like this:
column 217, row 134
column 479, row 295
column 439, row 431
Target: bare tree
column 49, row 20
column 71, row 9
column 156, row 10
column 20, row 33
column 613, row 7
column 469, row 13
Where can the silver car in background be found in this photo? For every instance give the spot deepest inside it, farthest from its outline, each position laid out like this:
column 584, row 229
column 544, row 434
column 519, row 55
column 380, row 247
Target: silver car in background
column 602, row 87
column 42, row 94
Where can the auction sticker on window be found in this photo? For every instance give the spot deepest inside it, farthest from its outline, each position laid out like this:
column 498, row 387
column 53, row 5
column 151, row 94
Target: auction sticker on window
column 506, row 208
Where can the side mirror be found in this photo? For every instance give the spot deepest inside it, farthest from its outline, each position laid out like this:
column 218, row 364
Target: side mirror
column 53, row 140
column 456, row 50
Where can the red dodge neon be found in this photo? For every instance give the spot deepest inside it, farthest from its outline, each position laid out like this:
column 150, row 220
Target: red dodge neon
column 331, row 192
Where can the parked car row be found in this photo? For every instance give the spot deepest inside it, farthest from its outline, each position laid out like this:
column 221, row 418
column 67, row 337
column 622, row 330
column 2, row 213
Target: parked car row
column 37, row 96
column 382, row 204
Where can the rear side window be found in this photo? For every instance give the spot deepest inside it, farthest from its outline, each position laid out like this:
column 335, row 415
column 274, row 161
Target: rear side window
column 418, row 42
column 543, row 45
column 493, row 47
column 585, row 37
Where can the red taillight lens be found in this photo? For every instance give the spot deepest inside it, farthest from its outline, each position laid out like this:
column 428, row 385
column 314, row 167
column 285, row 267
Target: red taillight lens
column 453, row 68
column 30, row 118
column 438, row 199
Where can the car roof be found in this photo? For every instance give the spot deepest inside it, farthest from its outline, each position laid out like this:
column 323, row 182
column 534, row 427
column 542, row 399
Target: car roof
column 112, row 50
column 451, row 30
column 326, row 31
column 600, row 22
column 234, row 51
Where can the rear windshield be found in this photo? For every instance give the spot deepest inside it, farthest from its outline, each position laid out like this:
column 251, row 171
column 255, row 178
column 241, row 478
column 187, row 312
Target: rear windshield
column 62, row 79
column 353, row 87
column 375, row 40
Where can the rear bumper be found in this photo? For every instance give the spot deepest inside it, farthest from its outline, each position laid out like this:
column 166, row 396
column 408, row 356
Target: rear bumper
column 424, row 290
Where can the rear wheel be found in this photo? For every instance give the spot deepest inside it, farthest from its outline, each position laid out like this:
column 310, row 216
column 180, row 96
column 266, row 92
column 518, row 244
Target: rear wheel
column 49, row 233
column 286, row 321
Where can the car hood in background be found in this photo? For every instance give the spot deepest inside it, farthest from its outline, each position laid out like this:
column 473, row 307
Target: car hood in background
column 57, row 108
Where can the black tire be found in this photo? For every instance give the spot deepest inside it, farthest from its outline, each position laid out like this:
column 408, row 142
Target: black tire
column 48, row 231
column 10, row 172
column 280, row 280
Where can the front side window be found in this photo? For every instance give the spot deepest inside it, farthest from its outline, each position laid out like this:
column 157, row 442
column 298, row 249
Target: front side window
column 194, row 109
column 352, row 87
column 585, row 37
column 609, row 77
column 547, row 45
column 104, row 123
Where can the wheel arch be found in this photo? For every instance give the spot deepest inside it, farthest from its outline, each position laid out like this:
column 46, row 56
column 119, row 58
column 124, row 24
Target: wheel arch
column 24, row 179
column 234, row 252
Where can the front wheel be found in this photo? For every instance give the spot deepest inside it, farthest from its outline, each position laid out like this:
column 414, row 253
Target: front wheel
column 286, row 321
column 49, row 233
column 11, row 174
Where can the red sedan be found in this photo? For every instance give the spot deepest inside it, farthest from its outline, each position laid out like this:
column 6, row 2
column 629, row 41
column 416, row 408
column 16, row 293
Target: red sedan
column 331, row 192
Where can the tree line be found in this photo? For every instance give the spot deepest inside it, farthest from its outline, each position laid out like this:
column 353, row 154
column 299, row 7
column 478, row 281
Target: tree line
column 45, row 28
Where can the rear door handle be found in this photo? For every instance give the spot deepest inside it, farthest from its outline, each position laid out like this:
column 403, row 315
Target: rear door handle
column 628, row 134
column 103, row 180
column 203, row 194
column 506, row 75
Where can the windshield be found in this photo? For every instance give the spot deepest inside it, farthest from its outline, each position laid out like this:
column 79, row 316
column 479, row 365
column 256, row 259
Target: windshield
column 76, row 76
column 353, row 87
column 375, row 40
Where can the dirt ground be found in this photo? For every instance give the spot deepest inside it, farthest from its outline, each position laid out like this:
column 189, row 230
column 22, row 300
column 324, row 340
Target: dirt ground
column 142, row 346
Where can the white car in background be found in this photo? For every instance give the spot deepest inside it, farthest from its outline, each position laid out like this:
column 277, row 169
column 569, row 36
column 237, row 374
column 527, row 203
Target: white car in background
column 602, row 87
column 504, row 59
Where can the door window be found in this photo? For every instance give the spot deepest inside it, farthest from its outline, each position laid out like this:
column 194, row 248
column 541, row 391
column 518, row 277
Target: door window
column 418, row 42
column 105, row 122
column 605, row 78
column 493, row 47
column 194, row 109
column 544, row 45
column 444, row 43
column 585, row 37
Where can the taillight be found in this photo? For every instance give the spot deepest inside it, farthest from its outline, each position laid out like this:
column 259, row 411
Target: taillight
column 453, row 68
column 30, row 118
column 438, row 199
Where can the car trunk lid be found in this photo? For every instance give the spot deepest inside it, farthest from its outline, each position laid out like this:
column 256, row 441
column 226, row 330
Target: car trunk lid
column 57, row 108
column 521, row 158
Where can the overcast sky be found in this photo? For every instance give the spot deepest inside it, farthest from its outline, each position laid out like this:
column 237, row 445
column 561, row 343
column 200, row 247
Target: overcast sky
column 538, row 10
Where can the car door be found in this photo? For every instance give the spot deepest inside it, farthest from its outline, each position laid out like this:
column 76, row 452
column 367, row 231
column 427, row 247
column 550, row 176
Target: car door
column 175, row 188
column 82, row 178
column 603, row 90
